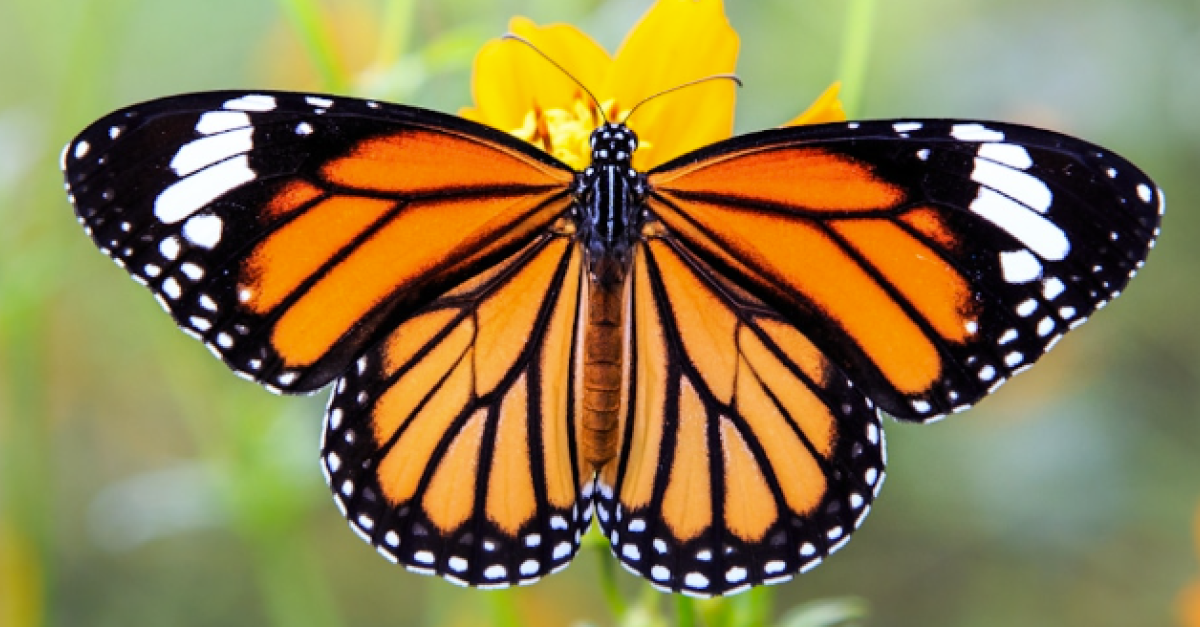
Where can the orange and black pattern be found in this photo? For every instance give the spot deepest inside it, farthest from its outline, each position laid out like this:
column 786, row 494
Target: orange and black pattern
column 713, row 399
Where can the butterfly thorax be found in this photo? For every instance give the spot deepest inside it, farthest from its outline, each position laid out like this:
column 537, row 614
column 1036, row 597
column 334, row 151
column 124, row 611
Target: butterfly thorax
column 609, row 196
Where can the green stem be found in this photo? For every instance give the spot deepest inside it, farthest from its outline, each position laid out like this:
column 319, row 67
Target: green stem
column 685, row 611
column 395, row 32
column 306, row 18
column 752, row 609
column 608, row 576
column 504, row 608
column 856, row 47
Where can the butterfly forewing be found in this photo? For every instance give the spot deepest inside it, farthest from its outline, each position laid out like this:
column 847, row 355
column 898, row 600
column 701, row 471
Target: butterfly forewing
column 287, row 231
column 931, row 260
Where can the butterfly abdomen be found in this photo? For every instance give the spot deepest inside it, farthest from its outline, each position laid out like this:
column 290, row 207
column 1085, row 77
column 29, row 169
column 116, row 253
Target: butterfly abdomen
column 603, row 364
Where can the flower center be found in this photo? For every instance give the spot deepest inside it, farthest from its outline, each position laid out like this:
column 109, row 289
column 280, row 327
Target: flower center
column 565, row 133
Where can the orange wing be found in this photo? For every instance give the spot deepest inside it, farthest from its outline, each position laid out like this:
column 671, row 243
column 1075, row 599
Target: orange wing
column 450, row 446
column 929, row 260
column 290, row 232
column 747, row 454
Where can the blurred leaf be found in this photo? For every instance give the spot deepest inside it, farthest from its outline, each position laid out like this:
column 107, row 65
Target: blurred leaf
column 826, row 613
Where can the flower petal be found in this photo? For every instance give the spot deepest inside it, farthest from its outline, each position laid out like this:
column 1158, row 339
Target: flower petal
column 509, row 79
column 677, row 41
column 827, row 108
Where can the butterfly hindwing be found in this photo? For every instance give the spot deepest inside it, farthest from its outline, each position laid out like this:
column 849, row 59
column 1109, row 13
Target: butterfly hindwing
column 747, row 455
column 449, row 446
column 288, row 231
column 932, row 260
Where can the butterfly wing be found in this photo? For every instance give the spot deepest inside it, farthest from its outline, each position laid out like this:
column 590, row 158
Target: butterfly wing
column 792, row 281
column 930, row 260
column 747, row 454
column 450, row 445
column 289, row 232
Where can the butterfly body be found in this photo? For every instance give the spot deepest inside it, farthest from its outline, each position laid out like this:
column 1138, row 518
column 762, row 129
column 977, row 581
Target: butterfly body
column 697, row 356
column 609, row 203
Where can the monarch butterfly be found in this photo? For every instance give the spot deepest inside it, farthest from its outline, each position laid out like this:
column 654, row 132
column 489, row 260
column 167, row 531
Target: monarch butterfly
column 698, row 355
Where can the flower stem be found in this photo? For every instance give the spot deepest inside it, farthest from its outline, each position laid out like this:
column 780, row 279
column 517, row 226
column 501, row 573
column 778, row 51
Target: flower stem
column 685, row 611
column 316, row 37
column 395, row 32
column 856, row 47
column 608, row 579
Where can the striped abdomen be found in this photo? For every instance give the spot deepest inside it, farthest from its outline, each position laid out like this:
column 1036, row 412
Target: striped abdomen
column 603, row 357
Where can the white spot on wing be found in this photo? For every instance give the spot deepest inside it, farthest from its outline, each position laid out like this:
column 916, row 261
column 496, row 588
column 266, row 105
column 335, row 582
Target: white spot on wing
column 1144, row 192
column 1019, row 266
column 907, row 127
column 976, row 133
column 203, row 230
column 171, row 288
column 192, row 271
column 1052, row 288
column 1011, row 155
column 561, row 550
column 1021, row 186
column 317, row 101
column 251, row 102
column 631, row 552
column 189, row 195
column 81, row 149
column 201, row 153
column 215, row 122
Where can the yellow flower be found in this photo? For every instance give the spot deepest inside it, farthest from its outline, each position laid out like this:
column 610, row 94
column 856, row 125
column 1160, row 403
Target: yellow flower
column 1188, row 603
column 675, row 42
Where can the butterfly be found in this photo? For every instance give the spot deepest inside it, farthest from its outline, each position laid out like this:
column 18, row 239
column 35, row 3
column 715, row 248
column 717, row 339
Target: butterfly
column 698, row 356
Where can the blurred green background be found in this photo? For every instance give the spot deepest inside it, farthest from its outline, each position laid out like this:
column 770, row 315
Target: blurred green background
column 142, row 484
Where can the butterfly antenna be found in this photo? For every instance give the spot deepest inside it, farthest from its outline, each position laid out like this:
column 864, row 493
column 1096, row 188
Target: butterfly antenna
column 732, row 77
column 562, row 69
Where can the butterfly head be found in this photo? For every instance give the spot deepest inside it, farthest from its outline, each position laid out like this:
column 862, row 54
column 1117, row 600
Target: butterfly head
column 613, row 144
